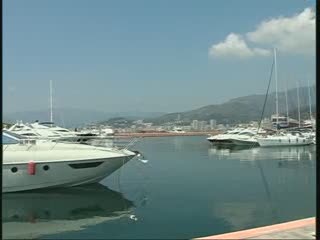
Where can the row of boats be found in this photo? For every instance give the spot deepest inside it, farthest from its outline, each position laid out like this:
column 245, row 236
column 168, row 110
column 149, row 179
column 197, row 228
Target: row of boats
column 281, row 135
column 265, row 138
column 40, row 155
column 48, row 130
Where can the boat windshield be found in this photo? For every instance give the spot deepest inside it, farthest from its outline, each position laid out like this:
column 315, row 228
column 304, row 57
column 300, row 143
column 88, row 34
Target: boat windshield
column 247, row 133
column 47, row 124
column 11, row 138
column 233, row 132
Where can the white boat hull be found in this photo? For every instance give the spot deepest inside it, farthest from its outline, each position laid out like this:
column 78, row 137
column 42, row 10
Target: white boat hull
column 270, row 142
column 245, row 142
column 59, row 174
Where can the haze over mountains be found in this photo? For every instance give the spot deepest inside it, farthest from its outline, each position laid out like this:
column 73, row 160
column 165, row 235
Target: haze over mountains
column 241, row 109
column 74, row 117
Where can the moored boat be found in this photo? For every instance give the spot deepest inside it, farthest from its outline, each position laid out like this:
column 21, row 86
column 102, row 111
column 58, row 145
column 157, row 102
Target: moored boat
column 33, row 164
column 284, row 139
column 224, row 138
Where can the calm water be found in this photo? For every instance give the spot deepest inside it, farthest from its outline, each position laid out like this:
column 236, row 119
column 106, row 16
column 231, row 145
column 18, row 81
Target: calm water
column 187, row 189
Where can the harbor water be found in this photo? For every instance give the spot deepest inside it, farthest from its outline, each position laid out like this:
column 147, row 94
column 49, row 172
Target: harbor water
column 187, row 188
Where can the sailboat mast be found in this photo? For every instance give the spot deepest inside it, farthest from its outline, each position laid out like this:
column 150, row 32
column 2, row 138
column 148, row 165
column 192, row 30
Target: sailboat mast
column 287, row 108
column 276, row 80
column 51, row 102
column 298, row 104
column 309, row 93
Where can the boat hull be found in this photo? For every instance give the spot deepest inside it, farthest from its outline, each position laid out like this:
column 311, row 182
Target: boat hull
column 59, row 173
column 284, row 142
column 220, row 141
column 245, row 142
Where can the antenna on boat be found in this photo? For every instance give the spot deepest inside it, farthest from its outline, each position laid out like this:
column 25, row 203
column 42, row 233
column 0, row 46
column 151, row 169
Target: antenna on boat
column 51, row 102
column 276, row 80
column 298, row 104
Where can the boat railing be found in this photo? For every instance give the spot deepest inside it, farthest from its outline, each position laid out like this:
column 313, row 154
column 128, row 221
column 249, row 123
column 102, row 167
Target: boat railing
column 29, row 143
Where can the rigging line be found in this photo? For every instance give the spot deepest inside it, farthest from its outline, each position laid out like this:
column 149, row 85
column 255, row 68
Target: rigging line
column 266, row 97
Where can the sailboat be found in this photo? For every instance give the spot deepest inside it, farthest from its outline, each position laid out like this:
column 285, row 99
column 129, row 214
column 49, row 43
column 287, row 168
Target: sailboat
column 309, row 125
column 282, row 138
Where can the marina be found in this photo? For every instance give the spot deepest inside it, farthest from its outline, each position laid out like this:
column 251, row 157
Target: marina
column 156, row 120
column 189, row 187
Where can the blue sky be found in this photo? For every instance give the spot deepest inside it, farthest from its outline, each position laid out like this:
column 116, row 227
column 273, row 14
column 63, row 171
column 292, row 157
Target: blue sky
column 142, row 55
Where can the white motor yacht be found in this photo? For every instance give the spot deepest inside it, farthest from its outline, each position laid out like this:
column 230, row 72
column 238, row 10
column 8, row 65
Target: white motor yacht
column 224, row 138
column 177, row 130
column 33, row 164
column 49, row 126
column 93, row 130
column 49, row 131
column 246, row 137
column 29, row 131
column 284, row 139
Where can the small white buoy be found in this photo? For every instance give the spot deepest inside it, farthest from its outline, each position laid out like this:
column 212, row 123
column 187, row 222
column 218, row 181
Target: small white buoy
column 144, row 160
column 133, row 217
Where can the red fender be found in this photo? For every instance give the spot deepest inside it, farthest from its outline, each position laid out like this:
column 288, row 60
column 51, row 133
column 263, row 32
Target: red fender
column 32, row 168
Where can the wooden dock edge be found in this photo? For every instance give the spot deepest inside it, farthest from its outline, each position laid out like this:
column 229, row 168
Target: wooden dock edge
column 254, row 232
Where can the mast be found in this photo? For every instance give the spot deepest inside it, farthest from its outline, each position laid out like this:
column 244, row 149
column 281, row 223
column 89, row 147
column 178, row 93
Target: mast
column 287, row 108
column 276, row 80
column 298, row 103
column 309, row 93
column 51, row 102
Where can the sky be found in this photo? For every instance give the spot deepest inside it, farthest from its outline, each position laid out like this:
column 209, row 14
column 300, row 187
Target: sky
column 151, row 56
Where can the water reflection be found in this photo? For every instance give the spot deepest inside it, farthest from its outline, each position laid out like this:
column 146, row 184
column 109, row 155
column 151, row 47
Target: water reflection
column 32, row 214
column 268, row 163
column 243, row 153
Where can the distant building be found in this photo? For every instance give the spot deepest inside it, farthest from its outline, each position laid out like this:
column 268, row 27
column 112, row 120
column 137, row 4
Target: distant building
column 202, row 125
column 213, row 124
column 195, row 125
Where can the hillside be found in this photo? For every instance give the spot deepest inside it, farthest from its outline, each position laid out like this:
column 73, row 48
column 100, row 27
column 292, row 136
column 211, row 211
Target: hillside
column 244, row 109
column 241, row 109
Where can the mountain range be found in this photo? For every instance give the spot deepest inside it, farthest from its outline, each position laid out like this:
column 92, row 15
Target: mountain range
column 71, row 117
column 237, row 110
column 245, row 109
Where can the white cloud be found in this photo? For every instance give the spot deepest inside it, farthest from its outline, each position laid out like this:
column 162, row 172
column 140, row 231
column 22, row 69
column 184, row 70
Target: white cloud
column 288, row 34
column 294, row 35
column 235, row 46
